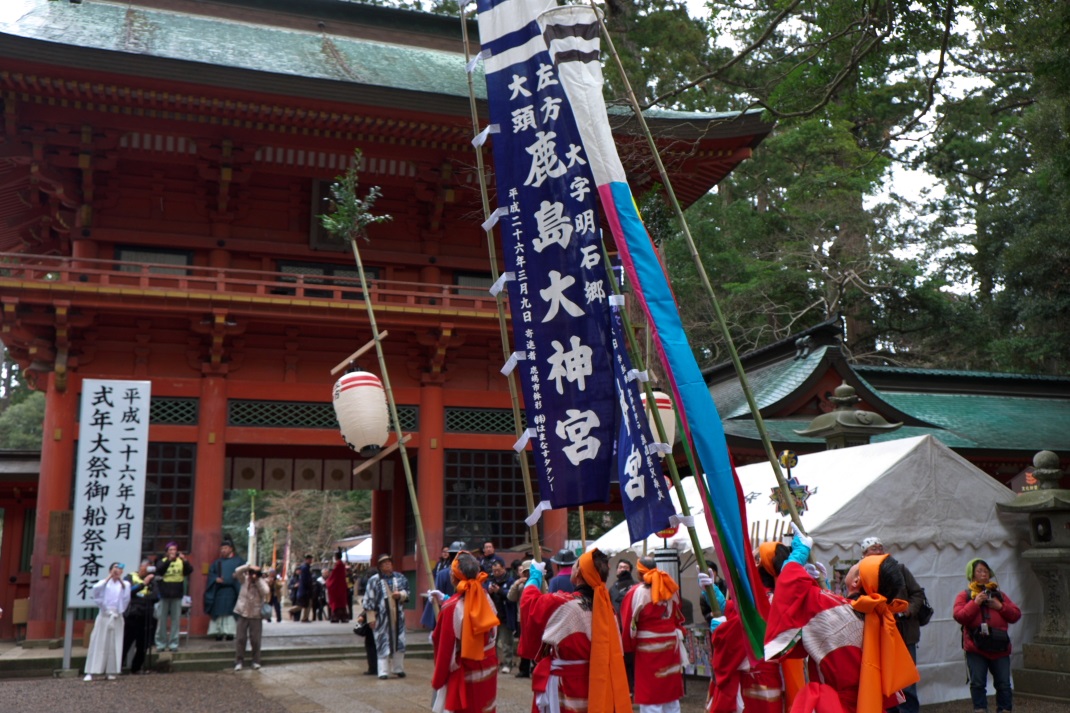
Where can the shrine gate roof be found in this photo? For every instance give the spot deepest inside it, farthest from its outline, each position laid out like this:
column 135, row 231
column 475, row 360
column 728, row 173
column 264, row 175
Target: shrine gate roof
column 391, row 63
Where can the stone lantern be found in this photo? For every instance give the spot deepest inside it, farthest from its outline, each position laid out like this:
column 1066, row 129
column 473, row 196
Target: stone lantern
column 1047, row 658
column 847, row 426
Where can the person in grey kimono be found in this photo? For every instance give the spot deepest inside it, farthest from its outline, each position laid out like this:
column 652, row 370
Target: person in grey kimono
column 383, row 599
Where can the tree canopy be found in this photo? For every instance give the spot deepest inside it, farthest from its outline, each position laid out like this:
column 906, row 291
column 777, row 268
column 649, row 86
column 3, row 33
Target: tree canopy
column 915, row 183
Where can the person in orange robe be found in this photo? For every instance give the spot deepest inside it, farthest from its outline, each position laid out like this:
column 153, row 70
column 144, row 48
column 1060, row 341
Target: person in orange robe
column 858, row 659
column 575, row 641
column 465, row 678
column 651, row 626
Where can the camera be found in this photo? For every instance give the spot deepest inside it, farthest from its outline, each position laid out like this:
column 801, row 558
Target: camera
column 151, row 569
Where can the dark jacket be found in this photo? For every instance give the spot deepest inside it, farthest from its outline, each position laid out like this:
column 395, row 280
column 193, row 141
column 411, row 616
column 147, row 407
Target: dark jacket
column 907, row 622
column 506, row 609
column 618, row 589
column 142, row 596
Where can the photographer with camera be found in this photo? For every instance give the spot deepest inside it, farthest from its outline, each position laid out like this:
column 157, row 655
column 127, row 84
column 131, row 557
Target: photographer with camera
column 174, row 567
column 249, row 610
column 985, row 614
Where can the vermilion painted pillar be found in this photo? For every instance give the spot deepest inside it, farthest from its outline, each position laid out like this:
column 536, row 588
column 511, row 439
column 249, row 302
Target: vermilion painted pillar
column 208, row 491
column 54, row 494
column 554, row 530
column 381, row 517
column 430, row 489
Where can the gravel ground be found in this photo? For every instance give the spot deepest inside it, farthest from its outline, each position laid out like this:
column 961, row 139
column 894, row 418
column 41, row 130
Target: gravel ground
column 335, row 686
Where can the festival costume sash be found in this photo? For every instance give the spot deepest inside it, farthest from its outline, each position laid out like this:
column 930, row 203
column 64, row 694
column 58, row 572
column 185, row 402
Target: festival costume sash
column 479, row 616
column 608, row 690
column 662, row 585
column 886, row 663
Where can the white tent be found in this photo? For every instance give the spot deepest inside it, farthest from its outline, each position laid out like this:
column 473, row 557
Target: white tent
column 934, row 511
column 360, row 552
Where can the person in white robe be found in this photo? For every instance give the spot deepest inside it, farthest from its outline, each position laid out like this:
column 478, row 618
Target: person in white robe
column 112, row 596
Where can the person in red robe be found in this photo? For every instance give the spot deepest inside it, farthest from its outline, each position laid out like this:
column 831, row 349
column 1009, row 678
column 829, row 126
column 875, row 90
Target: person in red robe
column 858, row 659
column 740, row 682
column 465, row 678
column 575, row 641
column 338, row 590
column 652, row 627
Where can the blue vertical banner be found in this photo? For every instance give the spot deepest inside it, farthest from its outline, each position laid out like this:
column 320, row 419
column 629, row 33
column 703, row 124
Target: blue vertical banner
column 643, row 490
column 572, row 36
column 557, row 282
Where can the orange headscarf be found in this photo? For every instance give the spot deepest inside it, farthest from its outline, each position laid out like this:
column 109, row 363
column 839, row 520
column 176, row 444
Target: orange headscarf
column 886, row 663
column 662, row 586
column 766, row 553
column 479, row 615
column 608, row 681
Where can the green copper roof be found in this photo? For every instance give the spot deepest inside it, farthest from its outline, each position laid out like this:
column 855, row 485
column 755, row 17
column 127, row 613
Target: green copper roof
column 992, row 421
column 115, row 27
column 769, row 383
column 228, row 43
column 782, row 433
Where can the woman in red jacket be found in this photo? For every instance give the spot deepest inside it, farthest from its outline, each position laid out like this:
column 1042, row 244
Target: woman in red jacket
column 985, row 613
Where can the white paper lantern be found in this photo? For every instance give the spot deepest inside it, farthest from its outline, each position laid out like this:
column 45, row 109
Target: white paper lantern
column 668, row 417
column 360, row 406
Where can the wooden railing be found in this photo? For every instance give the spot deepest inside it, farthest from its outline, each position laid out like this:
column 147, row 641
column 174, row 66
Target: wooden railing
column 166, row 278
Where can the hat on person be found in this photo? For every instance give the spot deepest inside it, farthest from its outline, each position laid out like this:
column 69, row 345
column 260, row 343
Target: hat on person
column 457, row 546
column 385, row 557
column 870, row 542
column 525, row 566
column 564, row 558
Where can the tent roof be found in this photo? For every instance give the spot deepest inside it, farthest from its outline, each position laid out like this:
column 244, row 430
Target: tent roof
column 908, row 491
column 360, row 552
column 913, row 490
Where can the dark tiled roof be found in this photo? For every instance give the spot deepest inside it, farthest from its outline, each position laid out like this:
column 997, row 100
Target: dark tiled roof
column 875, row 371
column 228, row 43
column 770, row 384
column 782, row 433
column 994, row 422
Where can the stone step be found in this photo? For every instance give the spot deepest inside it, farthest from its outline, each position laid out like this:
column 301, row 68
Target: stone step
column 219, row 656
column 1047, row 684
column 1046, row 657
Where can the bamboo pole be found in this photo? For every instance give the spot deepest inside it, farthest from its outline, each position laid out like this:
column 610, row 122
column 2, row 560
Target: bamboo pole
column 503, row 328
column 759, row 422
column 401, row 437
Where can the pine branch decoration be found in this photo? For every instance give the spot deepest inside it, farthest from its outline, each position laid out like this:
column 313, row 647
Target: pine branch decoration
column 348, row 215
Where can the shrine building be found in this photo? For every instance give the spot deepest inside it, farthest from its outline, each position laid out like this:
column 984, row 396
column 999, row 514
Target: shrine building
column 162, row 166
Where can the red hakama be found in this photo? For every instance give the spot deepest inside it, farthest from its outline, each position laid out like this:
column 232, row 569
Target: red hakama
column 739, row 682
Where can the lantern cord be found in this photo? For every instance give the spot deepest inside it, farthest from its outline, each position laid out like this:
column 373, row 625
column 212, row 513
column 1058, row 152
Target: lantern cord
column 674, row 474
column 759, row 422
column 503, row 328
column 377, row 337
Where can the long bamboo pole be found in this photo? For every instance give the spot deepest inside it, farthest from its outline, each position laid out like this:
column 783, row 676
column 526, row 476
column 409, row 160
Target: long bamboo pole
column 759, row 422
column 401, row 438
column 503, row 327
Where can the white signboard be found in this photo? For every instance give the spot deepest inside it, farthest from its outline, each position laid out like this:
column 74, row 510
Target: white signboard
column 109, row 490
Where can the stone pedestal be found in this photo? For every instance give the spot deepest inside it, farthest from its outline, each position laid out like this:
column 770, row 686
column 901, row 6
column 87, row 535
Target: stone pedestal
column 1046, row 660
